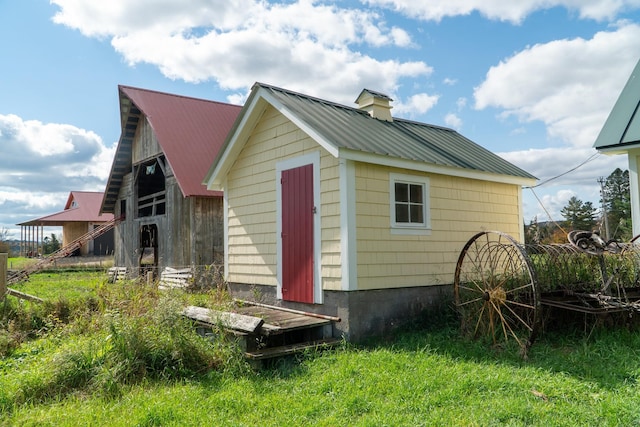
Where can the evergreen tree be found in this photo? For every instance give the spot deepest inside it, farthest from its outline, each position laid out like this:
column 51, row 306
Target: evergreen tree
column 580, row 215
column 617, row 202
column 50, row 244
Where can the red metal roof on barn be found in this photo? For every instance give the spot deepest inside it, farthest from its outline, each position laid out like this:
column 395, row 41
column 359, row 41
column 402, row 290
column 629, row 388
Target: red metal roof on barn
column 190, row 132
column 81, row 206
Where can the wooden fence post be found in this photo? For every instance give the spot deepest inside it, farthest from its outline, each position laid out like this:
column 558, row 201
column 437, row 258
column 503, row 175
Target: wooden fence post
column 3, row 275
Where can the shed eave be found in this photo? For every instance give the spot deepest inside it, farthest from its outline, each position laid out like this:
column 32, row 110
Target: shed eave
column 258, row 101
column 618, row 149
column 421, row 166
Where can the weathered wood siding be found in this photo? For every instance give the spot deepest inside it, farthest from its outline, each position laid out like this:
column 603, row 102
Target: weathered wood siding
column 124, row 235
column 145, row 144
column 459, row 208
column 251, row 192
column 189, row 232
column 207, row 230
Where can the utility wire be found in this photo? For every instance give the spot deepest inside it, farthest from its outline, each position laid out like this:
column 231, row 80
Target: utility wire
column 591, row 158
column 547, row 212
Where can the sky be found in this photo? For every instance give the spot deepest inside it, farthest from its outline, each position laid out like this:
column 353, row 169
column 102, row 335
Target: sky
column 532, row 80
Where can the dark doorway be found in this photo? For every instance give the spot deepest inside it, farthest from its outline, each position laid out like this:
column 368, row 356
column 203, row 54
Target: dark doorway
column 148, row 247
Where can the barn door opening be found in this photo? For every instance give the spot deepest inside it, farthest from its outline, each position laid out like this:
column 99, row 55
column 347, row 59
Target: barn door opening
column 297, row 216
column 148, row 260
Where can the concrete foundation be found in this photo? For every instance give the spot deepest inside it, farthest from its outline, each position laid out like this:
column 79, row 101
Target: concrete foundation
column 363, row 314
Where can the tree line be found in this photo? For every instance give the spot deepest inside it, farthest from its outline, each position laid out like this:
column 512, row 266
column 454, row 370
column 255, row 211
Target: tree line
column 614, row 222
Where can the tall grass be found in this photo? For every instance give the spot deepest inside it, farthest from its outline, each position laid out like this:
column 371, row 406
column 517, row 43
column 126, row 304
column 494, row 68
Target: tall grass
column 132, row 360
column 122, row 334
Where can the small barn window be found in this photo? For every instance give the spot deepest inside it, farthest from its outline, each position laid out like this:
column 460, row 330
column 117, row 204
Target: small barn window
column 409, row 204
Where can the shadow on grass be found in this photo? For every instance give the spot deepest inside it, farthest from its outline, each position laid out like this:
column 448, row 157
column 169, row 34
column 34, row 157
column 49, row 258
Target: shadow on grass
column 603, row 351
column 600, row 352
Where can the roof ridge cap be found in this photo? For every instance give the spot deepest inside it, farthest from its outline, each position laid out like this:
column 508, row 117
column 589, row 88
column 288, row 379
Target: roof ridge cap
column 310, row 97
column 175, row 95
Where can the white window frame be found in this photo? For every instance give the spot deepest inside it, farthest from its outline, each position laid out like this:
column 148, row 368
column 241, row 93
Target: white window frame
column 423, row 228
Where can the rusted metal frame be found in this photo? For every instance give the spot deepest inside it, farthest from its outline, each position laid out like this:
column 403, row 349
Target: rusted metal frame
column 588, row 310
column 608, row 303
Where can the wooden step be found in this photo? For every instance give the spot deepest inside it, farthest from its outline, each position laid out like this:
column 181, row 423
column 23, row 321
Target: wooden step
column 229, row 320
column 267, row 353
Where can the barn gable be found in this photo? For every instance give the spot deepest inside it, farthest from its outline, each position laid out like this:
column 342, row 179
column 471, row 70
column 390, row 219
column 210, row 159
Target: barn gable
column 167, row 143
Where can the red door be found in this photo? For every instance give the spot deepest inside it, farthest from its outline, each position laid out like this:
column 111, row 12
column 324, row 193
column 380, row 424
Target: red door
column 297, row 234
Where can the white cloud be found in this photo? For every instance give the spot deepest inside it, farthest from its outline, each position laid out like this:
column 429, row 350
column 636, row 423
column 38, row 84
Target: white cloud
column 569, row 85
column 562, row 172
column 416, row 104
column 512, row 11
column 38, row 138
column 304, row 45
column 453, row 121
column 42, row 162
column 571, row 166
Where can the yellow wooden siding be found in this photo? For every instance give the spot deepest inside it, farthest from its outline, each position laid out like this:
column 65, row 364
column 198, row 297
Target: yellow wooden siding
column 330, row 260
column 72, row 231
column 459, row 208
column 251, row 195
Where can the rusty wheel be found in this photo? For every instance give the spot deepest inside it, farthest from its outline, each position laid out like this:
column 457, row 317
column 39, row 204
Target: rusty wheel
column 495, row 291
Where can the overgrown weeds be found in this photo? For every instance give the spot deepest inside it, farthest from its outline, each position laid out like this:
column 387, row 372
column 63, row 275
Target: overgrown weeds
column 124, row 334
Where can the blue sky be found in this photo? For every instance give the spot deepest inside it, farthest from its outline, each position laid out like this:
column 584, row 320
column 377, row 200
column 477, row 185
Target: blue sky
column 532, row 80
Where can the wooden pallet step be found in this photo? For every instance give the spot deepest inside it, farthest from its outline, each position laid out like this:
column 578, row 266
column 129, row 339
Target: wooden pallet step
column 234, row 321
column 175, row 278
column 117, row 273
column 267, row 353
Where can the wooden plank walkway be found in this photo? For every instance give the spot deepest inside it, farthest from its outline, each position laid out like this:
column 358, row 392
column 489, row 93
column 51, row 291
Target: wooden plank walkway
column 278, row 321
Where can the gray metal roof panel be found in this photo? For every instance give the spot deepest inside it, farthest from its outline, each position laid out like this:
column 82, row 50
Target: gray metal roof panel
column 622, row 127
column 351, row 128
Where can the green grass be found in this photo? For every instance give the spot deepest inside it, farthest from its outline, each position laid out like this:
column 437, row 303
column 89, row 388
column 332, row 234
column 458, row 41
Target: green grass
column 128, row 362
column 68, row 284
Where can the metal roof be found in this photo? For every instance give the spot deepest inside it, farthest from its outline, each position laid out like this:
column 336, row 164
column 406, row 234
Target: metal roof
column 354, row 129
column 81, row 206
column 190, row 132
column 621, row 131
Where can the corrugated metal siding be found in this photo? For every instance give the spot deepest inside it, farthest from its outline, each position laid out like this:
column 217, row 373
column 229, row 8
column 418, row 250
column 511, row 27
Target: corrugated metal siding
column 350, row 128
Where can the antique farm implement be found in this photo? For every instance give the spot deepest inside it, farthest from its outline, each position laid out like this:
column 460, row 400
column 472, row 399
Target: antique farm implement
column 501, row 287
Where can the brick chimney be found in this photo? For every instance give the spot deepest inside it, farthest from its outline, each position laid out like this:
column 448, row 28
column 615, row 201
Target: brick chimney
column 376, row 104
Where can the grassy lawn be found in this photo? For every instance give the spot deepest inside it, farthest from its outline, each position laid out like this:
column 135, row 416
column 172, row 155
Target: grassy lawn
column 76, row 373
column 18, row 263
